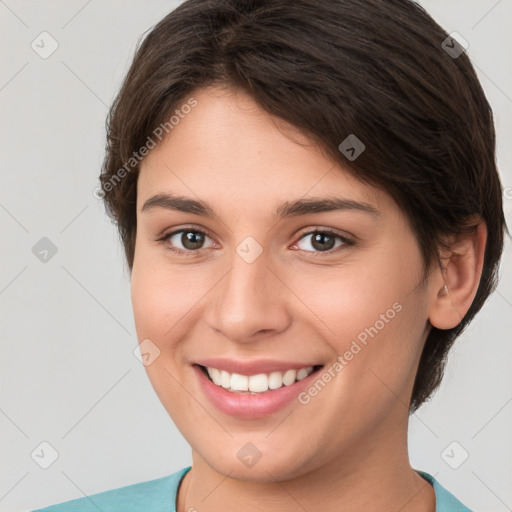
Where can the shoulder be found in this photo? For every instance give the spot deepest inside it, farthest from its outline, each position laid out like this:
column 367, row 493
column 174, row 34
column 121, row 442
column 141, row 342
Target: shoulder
column 445, row 500
column 159, row 493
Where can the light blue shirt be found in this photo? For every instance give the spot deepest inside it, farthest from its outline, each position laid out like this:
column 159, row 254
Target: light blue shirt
column 159, row 495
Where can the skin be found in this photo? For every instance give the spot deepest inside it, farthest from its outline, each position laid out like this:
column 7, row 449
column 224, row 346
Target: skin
column 348, row 445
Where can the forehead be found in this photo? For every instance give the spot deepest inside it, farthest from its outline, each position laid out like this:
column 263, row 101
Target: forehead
column 231, row 150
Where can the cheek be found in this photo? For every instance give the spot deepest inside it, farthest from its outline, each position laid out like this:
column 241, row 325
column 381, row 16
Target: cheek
column 352, row 297
column 162, row 296
column 373, row 315
column 161, row 299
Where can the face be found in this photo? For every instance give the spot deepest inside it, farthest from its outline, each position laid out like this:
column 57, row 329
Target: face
column 258, row 284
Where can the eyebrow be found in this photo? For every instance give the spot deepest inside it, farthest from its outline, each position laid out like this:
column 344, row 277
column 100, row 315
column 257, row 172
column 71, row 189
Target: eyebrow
column 286, row 209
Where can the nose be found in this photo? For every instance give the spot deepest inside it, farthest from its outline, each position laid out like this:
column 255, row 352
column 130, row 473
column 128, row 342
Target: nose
column 250, row 300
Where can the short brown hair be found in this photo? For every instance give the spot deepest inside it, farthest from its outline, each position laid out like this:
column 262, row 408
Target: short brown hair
column 375, row 69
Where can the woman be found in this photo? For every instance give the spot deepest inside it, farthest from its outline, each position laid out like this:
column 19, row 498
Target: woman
column 307, row 195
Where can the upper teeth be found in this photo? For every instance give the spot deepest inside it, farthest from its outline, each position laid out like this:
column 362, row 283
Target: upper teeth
column 256, row 383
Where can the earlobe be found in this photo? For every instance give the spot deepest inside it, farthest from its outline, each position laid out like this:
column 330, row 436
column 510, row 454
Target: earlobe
column 455, row 287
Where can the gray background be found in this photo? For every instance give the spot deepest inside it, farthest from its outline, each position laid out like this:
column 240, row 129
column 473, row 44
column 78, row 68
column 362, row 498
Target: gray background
column 68, row 373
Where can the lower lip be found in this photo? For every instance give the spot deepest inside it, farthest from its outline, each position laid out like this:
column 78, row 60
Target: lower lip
column 248, row 406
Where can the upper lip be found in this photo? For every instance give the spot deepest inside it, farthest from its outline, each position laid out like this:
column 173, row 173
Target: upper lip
column 253, row 367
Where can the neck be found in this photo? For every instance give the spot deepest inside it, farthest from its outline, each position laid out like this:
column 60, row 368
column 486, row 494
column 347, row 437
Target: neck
column 373, row 474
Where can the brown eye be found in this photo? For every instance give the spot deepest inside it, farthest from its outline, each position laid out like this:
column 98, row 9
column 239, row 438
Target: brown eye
column 192, row 240
column 185, row 240
column 323, row 241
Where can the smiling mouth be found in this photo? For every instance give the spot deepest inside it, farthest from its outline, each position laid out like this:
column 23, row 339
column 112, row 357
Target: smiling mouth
column 256, row 384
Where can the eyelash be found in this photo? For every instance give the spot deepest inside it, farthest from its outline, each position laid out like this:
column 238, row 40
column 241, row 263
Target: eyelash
column 346, row 241
column 180, row 252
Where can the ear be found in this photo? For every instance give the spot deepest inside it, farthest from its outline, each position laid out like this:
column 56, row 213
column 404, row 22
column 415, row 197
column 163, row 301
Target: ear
column 456, row 284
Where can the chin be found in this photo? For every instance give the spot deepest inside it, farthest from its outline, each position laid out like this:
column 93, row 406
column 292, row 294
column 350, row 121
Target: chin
column 267, row 469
